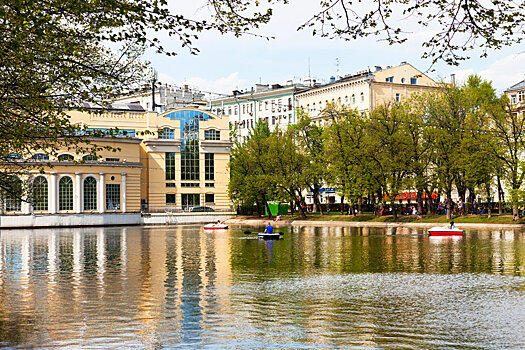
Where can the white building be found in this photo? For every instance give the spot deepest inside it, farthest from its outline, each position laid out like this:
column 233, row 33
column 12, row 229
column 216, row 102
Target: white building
column 274, row 104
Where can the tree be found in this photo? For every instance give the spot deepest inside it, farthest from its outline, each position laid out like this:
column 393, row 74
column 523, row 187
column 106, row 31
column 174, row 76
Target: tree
column 310, row 139
column 251, row 179
column 454, row 28
column 55, row 55
column 509, row 127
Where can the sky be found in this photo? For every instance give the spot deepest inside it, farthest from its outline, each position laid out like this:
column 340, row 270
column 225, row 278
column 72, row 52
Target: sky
column 226, row 63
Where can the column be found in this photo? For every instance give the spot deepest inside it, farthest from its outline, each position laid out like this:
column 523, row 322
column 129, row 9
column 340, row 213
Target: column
column 101, row 193
column 77, row 194
column 123, row 204
column 26, row 206
column 53, row 203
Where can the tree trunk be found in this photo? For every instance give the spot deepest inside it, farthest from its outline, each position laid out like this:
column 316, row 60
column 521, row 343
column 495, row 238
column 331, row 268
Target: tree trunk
column 318, row 204
column 342, row 205
column 500, row 196
column 448, row 205
column 292, row 209
column 360, row 206
column 420, row 203
column 394, row 210
column 268, row 209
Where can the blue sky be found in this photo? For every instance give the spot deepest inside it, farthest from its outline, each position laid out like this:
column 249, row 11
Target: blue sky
column 226, row 63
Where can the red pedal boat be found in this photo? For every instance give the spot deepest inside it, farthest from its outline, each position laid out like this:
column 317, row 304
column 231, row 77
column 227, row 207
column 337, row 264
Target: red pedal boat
column 445, row 231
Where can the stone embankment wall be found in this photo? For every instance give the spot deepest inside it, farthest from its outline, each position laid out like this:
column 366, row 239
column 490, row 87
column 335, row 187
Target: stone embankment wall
column 106, row 219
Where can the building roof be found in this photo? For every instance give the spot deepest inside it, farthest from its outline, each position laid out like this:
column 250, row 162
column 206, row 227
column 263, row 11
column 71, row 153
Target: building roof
column 518, row 86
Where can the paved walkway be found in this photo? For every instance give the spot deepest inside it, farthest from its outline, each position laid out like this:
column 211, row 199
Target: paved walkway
column 283, row 223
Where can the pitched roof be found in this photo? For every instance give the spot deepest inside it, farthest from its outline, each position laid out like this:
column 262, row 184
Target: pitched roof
column 518, row 86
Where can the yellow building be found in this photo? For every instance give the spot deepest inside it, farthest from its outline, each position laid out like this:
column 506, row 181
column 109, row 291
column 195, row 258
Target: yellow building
column 176, row 161
column 366, row 90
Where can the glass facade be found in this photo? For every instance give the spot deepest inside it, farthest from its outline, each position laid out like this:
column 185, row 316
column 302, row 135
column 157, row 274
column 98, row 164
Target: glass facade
column 209, row 166
column 170, row 165
column 189, row 129
column 40, row 191
column 90, row 193
column 65, row 193
column 113, row 196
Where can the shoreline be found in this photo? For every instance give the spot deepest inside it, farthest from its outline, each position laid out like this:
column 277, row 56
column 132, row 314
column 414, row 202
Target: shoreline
column 284, row 223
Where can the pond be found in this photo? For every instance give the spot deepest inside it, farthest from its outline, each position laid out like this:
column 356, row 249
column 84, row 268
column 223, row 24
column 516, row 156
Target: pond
column 316, row 288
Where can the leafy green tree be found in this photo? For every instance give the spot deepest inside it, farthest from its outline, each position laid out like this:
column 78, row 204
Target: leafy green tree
column 288, row 167
column 309, row 137
column 508, row 125
column 251, row 181
column 57, row 54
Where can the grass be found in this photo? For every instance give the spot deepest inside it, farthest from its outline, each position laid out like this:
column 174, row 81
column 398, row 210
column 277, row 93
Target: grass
column 476, row 219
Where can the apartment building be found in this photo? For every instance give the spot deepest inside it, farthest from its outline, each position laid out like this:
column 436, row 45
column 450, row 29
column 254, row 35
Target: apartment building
column 274, row 104
column 366, row 89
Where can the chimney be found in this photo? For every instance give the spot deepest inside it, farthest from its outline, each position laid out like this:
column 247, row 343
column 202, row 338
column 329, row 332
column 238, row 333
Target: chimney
column 453, row 79
column 332, row 79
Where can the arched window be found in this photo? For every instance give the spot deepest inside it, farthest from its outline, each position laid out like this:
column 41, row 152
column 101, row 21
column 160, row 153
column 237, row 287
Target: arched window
column 353, row 99
column 65, row 157
column 40, row 156
column 90, row 193
column 212, row 134
column 89, row 157
column 167, row 133
column 362, row 97
column 13, row 201
column 13, row 156
column 40, row 191
column 65, row 193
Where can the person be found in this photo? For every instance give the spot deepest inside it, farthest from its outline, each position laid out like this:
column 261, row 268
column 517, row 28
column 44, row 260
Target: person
column 452, row 226
column 269, row 228
column 278, row 217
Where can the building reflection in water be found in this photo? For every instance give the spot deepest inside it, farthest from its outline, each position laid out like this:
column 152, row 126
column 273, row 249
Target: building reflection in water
column 157, row 287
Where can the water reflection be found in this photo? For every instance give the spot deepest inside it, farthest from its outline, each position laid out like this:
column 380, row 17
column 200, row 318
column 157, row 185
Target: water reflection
column 320, row 287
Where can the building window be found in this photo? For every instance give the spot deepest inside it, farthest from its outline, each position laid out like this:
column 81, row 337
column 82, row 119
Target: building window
column 190, row 200
column 65, row 193
column 65, row 157
column 513, row 99
column 190, row 184
column 190, row 156
column 13, row 201
column 90, row 193
column 402, row 80
column 40, row 193
column 170, row 184
column 266, row 105
column 112, row 196
column 212, row 135
column 209, row 198
column 521, row 96
column 229, row 111
column 390, row 79
column 353, row 99
column 169, row 161
column 112, row 159
column 260, row 106
column 40, row 156
column 170, row 198
column 167, row 133
column 398, row 97
column 290, row 104
column 89, row 157
column 346, row 99
column 413, row 81
column 236, row 110
column 209, row 184
column 362, row 97
column 209, row 166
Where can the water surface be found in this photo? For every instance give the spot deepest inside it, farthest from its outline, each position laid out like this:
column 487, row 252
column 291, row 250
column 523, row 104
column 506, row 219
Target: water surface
column 317, row 288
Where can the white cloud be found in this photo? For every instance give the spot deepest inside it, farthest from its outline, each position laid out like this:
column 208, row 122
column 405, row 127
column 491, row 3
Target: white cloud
column 503, row 73
column 223, row 85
